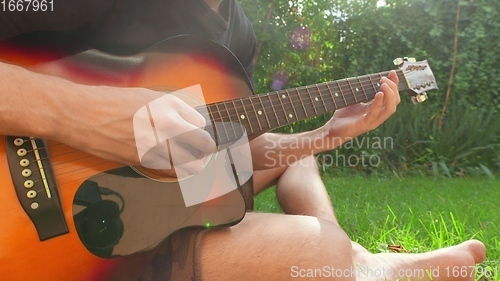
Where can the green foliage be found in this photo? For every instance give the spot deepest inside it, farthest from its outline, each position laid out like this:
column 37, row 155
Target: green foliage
column 467, row 143
column 351, row 38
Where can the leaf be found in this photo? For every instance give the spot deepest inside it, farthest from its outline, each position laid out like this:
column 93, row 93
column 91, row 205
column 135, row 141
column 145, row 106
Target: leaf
column 487, row 171
column 445, row 169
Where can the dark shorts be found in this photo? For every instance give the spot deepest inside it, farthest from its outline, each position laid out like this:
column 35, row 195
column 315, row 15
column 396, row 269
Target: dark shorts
column 177, row 258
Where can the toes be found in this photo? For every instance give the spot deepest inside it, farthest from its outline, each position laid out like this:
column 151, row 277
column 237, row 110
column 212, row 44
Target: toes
column 476, row 248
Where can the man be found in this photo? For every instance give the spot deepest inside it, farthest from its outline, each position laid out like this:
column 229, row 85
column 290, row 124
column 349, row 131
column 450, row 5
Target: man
column 262, row 246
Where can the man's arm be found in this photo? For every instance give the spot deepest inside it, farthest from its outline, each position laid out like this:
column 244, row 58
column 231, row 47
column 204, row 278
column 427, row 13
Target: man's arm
column 95, row 119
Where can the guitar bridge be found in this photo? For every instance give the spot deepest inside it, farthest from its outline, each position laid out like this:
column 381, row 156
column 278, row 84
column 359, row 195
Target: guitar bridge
column 33, row 179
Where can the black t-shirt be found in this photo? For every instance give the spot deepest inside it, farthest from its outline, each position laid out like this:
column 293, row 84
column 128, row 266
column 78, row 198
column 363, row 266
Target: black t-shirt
column 129, row 26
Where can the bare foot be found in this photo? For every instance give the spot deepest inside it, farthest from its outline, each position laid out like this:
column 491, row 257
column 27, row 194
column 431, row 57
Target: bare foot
column 451, row 263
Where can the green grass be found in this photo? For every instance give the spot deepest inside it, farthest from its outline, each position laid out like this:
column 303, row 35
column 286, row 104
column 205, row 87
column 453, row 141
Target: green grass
column 418, row 213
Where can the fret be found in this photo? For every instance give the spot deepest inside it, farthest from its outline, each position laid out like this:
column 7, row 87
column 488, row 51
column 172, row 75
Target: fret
column 338, row 96
column 217, row 123
column 363, row 88
column 280, row 97
column 230, row 120
column 240, row 117
column 264, row 111
column 352, row 91
column 321, row 96
column 257, row 113
column 375, row 90
column 341, row 92
column 246, row 116
column 312, row 101
column 274, row 111
column 380, row 77
column 226, row 119
column 293, row 106
column 302, row 103
column 327, row 97
column 308, row 102
column 331, row 94
column 215, row 132
column 232, row 110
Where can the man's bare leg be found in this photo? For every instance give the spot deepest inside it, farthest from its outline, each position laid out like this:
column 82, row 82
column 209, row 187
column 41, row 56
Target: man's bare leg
column 271, row 246
column 299, row 189
column 284, row 247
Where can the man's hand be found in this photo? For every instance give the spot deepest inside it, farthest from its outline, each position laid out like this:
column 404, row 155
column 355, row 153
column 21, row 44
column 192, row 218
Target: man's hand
column 274, row 150
column 162, row 128
column 352, row 121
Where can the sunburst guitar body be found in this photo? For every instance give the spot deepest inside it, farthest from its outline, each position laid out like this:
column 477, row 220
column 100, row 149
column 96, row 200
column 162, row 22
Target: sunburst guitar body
column 68, row 215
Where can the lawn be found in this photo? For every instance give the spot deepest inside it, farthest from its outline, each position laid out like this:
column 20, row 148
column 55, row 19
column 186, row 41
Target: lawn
column 418, row 213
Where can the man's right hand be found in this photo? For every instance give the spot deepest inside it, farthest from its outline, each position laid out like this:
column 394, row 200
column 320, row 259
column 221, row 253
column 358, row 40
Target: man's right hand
column 123, row 122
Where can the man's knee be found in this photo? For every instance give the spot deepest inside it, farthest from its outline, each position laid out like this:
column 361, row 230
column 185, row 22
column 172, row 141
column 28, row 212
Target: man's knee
column 306, row 165
column 334, row 240
column 310, row 162
column 332, row 248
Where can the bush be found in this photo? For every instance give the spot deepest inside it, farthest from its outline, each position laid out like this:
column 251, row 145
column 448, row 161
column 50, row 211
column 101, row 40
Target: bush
column 468, row 142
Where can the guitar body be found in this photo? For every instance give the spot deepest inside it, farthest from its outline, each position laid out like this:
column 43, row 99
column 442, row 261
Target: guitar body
column 174, row 64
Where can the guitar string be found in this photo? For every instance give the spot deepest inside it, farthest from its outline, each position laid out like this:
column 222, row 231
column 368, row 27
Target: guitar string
column 287, row 106
column 75, row 171
column 273, row 95
column 290, row 106
column 279, row 107
column 54, row 156
column 358, row 81
column 275, row 98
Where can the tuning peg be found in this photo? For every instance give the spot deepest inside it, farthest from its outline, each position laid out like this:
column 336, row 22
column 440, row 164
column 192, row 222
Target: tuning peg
column 398, row 61
column 419, row 98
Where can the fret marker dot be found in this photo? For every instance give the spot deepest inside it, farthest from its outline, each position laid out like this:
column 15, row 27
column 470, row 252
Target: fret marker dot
column 336, row 94
column 242, row 116
column 283, row 96
column 290, row 115
column 378, row 84
column 357, row 90
column 259, row 112
column 316, row 99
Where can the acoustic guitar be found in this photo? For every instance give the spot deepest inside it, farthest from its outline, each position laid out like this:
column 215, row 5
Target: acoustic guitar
column 68, row 215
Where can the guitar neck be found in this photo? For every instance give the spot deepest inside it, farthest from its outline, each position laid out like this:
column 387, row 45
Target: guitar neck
column 265, row 112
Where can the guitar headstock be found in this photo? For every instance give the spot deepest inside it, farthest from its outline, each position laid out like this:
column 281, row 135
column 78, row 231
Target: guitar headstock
column 419, row 77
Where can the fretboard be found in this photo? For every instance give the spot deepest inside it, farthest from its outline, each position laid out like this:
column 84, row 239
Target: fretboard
column 265, row 112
